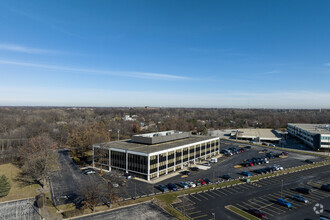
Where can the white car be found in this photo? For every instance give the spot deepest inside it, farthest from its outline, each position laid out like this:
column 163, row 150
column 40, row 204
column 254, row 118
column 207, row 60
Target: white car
column 191, row 184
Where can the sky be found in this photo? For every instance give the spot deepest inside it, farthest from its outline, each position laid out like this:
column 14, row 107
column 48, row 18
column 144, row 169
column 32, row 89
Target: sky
column 224, row 54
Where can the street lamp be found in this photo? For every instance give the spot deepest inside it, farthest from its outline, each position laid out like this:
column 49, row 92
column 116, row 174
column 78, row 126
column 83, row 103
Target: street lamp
column 118, row 134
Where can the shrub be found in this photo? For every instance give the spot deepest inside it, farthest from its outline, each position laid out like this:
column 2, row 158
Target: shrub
column 5, row 186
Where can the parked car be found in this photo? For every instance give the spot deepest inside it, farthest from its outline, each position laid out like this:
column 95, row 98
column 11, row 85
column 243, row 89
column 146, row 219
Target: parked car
column 183, row 185
column 227, row 177
column 115, row 185
column 194, row 169
column 285, row 153
column 172, row 186
column 89, row 171
column 326, row 187
column 191, row 184
column 303, row 190
column 309, row 161
column 283, row 202
column 300, row 198
column 162, row 188
column 206, row 164
column 186, row 172
column 127, row 176
column 207, row 180
column 257, row 213
column 201, row 181
column 241, row 150
column 245, row 173
column 228, row 154
column 248, row 147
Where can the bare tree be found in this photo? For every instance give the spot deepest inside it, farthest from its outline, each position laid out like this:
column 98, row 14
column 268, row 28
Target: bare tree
column 38, row 159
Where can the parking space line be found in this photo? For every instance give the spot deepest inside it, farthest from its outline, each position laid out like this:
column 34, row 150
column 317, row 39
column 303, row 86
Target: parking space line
column 192, row 213
column 244, row 208
column 213, row 192
column 195, row 197
column 321, row 193
column 246, row 186
column 199, row 194
column 201, row 216
column 207, row 193
column 221, row 191
column 235, row 190
column 228, row 190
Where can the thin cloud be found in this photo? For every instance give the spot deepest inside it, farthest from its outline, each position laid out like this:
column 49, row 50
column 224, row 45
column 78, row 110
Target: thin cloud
column 154, row 76
column 22, row 49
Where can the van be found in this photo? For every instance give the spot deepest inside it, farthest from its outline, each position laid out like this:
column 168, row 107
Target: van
column 214, row 160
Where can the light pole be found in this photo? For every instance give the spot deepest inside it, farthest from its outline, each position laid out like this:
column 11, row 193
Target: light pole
column 109, row 134
column 118, row 134
column 282, row 190
column 213, row 213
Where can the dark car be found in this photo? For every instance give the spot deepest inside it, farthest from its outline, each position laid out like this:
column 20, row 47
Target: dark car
column 241, row 150
column 162, row 188
column 207, row 180
column 194, row 169
column 326, row 187
column 284, row 153
column 89, row 171
column 245, row 173
column 186, row 172
column 303, row 190
column 172, row 186
column 248, row 147
column 309, row 161
column 227, row 177
column 257, row 213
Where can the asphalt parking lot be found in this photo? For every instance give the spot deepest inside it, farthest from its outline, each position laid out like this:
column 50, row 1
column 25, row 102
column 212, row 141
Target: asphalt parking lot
column 66, row 183
column 261, row 195
column 21, row 209
column 146, row 210
column 225, row 165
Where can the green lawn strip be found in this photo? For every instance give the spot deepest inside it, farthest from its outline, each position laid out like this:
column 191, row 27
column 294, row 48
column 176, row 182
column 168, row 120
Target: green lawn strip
column 241, row 212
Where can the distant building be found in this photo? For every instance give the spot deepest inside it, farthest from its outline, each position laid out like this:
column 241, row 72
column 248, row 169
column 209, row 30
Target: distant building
column 154, row 154
column 316, row 136
column 129, row 118
column 257, row 134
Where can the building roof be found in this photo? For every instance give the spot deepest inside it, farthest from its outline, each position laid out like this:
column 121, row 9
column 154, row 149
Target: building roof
column 147, row 148
column 313, row 128
column 263, row 134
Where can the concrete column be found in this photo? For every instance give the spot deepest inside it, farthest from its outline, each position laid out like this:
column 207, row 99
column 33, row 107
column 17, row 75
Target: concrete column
column 166, row 172
column 181, row 158
column 126, row 161
column 109, row 160
column 148, row 177
column 174, row 160
column 157, row 165
column 219, row 146
column 200, row 150
column 195, row 154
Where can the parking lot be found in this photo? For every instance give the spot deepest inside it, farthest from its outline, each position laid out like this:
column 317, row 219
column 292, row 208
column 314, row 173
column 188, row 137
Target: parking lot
column 260, row 195
column 67, row 182
column 225, row 165
column 21, row 209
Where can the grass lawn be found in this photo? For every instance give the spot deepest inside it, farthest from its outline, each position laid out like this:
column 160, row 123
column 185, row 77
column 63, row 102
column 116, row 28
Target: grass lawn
column 17, row 191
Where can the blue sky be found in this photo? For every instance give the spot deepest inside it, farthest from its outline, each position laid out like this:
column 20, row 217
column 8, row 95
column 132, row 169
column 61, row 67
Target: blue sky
column 234, row 53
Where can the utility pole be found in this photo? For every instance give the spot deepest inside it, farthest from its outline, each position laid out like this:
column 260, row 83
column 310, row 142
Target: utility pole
column 118, row 134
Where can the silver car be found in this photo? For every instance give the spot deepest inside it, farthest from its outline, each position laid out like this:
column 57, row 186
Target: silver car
column 300, row 198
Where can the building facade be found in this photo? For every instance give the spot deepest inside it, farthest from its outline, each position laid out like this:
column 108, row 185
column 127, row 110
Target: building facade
column 316, row 136
column 152, row 155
